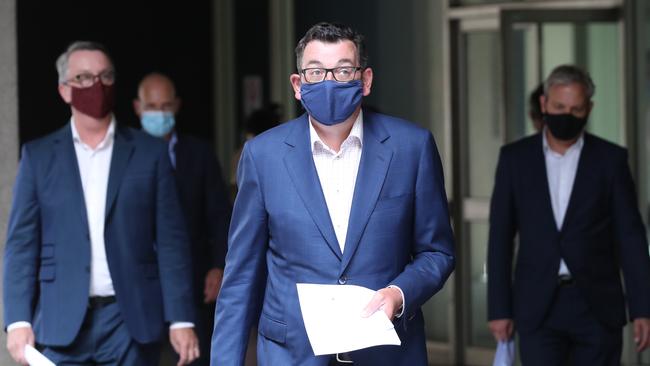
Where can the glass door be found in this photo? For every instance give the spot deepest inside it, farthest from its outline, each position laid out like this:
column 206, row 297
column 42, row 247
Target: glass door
column 479, row 132
column 536, row 41
column 497, row 60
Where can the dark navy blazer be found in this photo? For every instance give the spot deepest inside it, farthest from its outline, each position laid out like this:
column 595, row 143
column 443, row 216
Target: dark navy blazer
column 281, row 234
column 206, row 208
column 47, row 254
column 602, row 233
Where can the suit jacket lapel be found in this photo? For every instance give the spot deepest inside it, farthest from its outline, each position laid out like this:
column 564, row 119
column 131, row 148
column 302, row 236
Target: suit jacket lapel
column 580, row 183
column 540, row 180
column 122, row 150
column 375, row 160
column 68, row 168
column 300, row 166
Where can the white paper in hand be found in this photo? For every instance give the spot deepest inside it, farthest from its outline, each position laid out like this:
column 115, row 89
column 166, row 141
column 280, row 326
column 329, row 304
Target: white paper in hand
column 35, row 358
column 332, row 317
column 505, row 355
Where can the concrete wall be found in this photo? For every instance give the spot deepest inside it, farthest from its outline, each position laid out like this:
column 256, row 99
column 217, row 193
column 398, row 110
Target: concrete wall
column 8, row 129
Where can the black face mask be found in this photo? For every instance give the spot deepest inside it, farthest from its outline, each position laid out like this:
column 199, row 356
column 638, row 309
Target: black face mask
column 564, row 127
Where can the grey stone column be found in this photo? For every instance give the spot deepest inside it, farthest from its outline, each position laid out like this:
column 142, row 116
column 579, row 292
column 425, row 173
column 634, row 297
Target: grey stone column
column 8, row 129
column 225, row 102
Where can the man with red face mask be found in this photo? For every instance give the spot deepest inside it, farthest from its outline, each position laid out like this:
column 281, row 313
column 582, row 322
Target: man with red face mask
column 97, row 258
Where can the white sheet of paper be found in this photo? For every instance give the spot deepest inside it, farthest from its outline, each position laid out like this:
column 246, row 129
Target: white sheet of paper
column 35, row 358
column 332, row 316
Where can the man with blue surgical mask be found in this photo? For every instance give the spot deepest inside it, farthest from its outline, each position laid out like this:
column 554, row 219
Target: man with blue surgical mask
column 338, row 196
column 202, row 194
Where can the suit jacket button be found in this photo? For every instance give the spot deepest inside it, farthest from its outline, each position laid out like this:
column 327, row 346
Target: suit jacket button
column 343, row 280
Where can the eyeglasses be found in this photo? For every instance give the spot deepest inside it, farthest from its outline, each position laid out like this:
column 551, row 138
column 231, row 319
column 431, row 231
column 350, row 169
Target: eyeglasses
column 86, row 79
column 341, row 74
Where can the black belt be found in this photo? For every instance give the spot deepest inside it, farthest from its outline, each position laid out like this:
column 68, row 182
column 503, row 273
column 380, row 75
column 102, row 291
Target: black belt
column 99, row 301
column 565, row 280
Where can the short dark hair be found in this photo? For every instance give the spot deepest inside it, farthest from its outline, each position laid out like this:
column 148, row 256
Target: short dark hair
column 533, row 102
column 569, row 74
column 62, row 61
column 332, row 33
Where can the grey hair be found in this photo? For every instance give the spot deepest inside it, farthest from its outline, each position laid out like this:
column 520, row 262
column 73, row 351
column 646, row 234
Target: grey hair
column 62, row 61
column 569, row 74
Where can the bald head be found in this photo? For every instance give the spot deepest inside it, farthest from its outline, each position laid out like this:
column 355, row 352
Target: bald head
column 156, row 92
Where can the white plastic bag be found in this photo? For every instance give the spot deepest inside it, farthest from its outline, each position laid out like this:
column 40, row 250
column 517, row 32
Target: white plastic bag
column 505, row 355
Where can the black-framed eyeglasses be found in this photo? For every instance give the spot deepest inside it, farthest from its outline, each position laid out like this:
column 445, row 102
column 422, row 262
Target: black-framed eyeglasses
column 86, row 79
column 341, row 74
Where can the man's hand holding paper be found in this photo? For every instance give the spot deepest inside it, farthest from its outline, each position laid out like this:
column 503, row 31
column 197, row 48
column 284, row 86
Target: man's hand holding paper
column 335, row 322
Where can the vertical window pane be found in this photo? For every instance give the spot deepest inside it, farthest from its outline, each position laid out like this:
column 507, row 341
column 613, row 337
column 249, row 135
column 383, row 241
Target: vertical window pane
column 479, row 333
column 603, row 63
column 484, row 93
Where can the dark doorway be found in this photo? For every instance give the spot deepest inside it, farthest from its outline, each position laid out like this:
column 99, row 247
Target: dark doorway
column 143, row 36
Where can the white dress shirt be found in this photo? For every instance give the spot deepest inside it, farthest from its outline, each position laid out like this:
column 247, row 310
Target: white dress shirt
column 561, row 173
column 94, row 167
column 337, row 172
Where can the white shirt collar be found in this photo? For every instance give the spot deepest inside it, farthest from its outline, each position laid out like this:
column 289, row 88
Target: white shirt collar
column 108, row 138
column 355, row 134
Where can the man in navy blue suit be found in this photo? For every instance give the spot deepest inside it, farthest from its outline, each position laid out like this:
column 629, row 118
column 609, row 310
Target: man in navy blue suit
column 97, row 259
column 202, row 194
column 337, row 196
column 570, row 197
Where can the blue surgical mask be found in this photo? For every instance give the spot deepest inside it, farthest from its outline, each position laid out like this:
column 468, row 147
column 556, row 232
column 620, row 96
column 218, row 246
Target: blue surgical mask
column 157, row 123
column 331, row 102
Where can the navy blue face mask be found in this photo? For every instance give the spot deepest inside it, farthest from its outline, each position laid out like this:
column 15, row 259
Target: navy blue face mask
column 330, row 102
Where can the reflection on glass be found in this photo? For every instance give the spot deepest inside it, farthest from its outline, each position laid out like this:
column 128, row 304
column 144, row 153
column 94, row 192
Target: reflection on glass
column 524, row 77
column 531, row 77
column 436, row 315
column 558, row 46
column 603, row 63
column 484, row 139
column 479, row 332
column 483, row 110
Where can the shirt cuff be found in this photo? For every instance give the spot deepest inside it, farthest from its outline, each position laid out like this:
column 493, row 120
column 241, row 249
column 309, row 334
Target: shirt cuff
column 401, row 312
column 17, row 325
column 181, row 325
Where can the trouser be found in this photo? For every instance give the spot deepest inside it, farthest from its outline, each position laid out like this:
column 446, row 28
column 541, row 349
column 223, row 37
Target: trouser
column 104, row 340
column 571, row 335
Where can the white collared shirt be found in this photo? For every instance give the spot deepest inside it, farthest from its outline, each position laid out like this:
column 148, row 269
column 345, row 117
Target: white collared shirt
column 94, row 167
column 337, row 172
column 561, row 172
